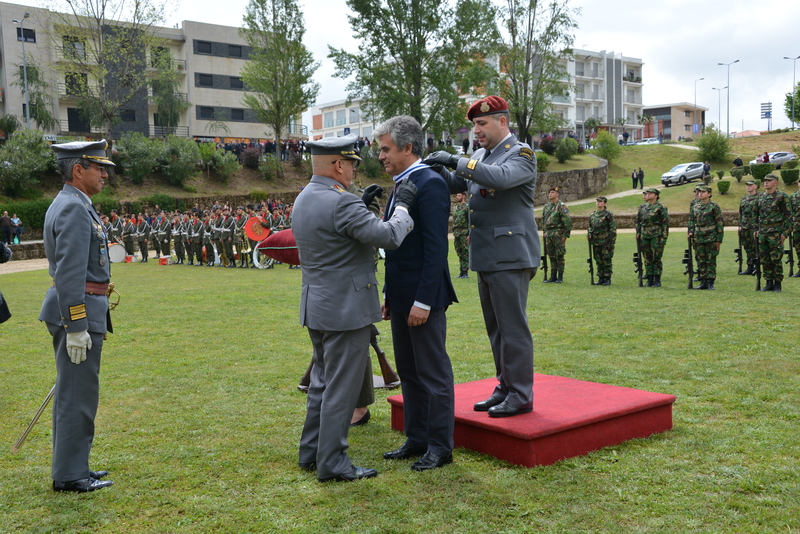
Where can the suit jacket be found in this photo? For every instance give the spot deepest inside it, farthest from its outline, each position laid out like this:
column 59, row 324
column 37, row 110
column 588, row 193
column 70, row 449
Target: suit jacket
column 418, row 269
column 335, row 236
column 74, row 243
column 500, row 189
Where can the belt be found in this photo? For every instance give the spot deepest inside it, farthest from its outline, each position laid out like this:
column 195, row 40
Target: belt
column 708, row 228
column 93, row 288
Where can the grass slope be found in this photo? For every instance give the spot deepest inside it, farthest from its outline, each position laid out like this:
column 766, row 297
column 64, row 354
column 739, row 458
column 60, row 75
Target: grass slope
column 199, row 417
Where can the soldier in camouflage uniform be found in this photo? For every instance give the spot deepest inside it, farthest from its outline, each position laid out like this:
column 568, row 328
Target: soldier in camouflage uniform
column 461, row 232
column 774, row 222
column 652, row 230
column 602, row 235
column 557, row 227
column 707, row 230
column 794, row 206
column 747, row 225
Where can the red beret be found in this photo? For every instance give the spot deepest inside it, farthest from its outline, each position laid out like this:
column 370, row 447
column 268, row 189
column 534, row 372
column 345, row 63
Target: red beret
column 487, row 106
column 281, row 246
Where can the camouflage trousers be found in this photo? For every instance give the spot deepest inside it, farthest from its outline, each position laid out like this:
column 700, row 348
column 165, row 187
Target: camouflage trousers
column 462, row 249
column 770, row 254
column 706, row 256
column 603, row 252
column 652, row 250
column 749, row 246
column 555, row 250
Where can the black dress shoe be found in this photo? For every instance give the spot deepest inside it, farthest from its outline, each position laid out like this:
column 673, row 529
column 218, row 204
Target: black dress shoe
column 308, row 466
column 406, row 451
column 506, row 409
column 81, row 486
column 357, row 473
column 97, row 475
column 483, row 406
column 363, row 421
column 431, row 461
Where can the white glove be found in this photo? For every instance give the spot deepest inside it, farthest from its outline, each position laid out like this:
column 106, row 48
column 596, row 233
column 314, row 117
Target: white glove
column 77, row 345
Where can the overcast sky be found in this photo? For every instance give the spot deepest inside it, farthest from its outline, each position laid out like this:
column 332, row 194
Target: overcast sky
column 678, row 40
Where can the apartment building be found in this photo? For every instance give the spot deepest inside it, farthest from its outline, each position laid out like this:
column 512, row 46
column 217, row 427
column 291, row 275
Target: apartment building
column 208, row 59
column 672, row 121
column 338, row 118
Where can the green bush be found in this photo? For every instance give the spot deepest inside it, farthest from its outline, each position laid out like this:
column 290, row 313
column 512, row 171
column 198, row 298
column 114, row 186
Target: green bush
column 137, row 154
column 104, row 201
column 164, row 202
column 257, row 195
column 566, row 148
column 760, row 170
column 23, row 160
column 30, row 212
column 373, row 168
column 606, row 146
column 548, row 145
column 790, row 176
column 207, row 152
column 720, row 174
column 270, row 167
column 791, row 164
column 713, row 145
column 723, row 186
column 178, row 159
column 746, row 170
column 708, row 178
column 189, row 188
column 225, row 163
column 737, row 172
column 542, row 161
column 251, row 158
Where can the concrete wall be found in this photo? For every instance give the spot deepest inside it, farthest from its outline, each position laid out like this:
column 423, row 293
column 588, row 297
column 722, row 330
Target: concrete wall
column 575, row 185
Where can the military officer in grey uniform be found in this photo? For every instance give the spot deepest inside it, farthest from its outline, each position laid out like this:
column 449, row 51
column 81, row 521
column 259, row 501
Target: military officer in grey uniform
column 75, row 310
column 335, row 233
column 504, row 247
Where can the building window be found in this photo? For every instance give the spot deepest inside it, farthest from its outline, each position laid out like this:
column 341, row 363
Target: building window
column 341, row 118
column 205, row 80
column 76, row 83
column 367, row 131
column 206, row 112
column 237, row 114
column 355, row 116
column 127, row 115
column 74, row 47
column 687, row 113
column 236, row 83
column 328, row 119
column 234, row 50
column 26, row 34
column 203, row 47
column 687, row 127
column 160, row 57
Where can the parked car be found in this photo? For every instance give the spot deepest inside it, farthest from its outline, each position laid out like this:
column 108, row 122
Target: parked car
column 648, row 141
column 778, row 158
column 683, row 173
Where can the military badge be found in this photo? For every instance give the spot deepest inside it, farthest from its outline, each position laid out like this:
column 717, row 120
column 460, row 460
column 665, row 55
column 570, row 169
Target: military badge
column 483, row 192
column 507, row 146
column 485, row 107
column 527, row 152
column 492, row 193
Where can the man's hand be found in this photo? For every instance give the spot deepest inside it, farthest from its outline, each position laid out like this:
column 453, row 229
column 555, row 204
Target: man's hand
column 77, row 345
column 385, row 311
column 417, row 316
column 406, row 192
column 370, row 193
column 444, row 158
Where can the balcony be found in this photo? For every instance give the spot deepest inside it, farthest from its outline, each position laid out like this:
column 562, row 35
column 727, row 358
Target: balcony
column 560, row 99
column 328, row 124
column 298, row 129
column 591, row 95
column 632, row 79
column 151, row 97
column 75, row 90
column 163, row 131
column 636, row 99
column 64, row 128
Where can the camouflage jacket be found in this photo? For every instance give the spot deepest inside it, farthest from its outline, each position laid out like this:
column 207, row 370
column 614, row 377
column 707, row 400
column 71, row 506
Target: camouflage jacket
column 772, row 213
column 556, row 220
column 794, row 207
column 705, row 222
column 461, row 216
column 652, row 220
column 602, row 226
column 747, row 215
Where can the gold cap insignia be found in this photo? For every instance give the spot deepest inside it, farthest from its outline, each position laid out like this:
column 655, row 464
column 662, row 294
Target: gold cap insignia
column 485, row 107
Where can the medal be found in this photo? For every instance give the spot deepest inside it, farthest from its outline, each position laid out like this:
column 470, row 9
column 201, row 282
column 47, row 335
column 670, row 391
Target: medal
column 102, row 261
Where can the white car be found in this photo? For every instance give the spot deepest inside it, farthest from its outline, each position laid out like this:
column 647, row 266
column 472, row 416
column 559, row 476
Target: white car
column 649, row 141
column 683, row 173
column 778, row 158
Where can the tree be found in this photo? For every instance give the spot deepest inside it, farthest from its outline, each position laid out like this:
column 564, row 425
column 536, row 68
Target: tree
column 606, row 146
column 217, row 123
column 278, row 77
column 416, row 58
column 104, row 45
column 539, row 38
column 713, row 145
column 170, row 103
column 793, row 112
column 8, row 125
column 27, row 158
column 39, row 92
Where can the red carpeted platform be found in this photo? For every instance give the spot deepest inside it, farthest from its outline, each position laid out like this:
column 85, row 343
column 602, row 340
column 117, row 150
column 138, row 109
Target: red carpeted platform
column 570, row 418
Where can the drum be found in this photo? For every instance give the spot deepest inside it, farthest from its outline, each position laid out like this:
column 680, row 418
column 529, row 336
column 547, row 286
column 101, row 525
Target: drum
column 116, row 253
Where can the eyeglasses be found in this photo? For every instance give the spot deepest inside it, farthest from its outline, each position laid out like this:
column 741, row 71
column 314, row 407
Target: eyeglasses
column 355, row 162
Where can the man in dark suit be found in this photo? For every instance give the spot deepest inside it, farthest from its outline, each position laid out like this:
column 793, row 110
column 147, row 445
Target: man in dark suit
column 75, row 310
column 504, row 248
column 418, row 292
column 335, row 236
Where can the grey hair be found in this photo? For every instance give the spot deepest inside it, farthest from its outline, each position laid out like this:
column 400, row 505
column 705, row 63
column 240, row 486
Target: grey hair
column 405, row 130
column 65, row 167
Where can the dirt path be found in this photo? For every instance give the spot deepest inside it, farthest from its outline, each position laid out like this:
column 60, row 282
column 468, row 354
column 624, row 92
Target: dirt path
column 21, row 266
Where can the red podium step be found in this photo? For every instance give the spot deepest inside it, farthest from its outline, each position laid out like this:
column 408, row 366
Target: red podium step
column 570, row 418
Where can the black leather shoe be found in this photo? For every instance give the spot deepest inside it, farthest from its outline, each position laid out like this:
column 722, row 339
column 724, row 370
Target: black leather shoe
column 506, row 409
column 406, row 451
column 796, row 275
column 357, row 473
column 81, row 486
column 363, row 421
column 97, row 475
column 483, row 406
column 431, row 461
column 308, row 466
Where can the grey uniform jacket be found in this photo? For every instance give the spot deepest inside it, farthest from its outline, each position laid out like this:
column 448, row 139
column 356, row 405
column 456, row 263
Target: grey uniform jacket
column 335, row 236
column 74, row 242
column 500, row 190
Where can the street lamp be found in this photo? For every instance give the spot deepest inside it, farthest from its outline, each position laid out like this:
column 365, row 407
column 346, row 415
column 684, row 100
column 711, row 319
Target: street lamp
column 794, row 83
column 728, row 119
column 694, row 117
column 719, row 104
column 25, row 71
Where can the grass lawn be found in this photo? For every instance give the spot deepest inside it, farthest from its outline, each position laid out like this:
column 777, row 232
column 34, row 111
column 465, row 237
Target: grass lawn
column 199, row 416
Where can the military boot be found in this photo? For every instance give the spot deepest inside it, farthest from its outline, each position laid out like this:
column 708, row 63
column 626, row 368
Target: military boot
column 553, row 276
column 656, row 281
column 648, row 280
column 751, row 270
column 560, row 277
column 703, row 285
column 776, row 287
column 710, row 283
column 606, row 281
column 796, row 275
column 769, row 287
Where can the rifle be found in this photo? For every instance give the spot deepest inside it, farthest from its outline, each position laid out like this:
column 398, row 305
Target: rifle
column 590, row 261
column 688, row 261
column 790, row 252
column 738, row 251
column 390, row 379
column 544, row 266
column 758, row 265
column 637, row 260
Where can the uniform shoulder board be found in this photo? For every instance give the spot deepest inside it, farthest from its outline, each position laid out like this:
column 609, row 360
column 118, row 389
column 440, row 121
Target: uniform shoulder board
column 338, row 188
column 527, row 152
